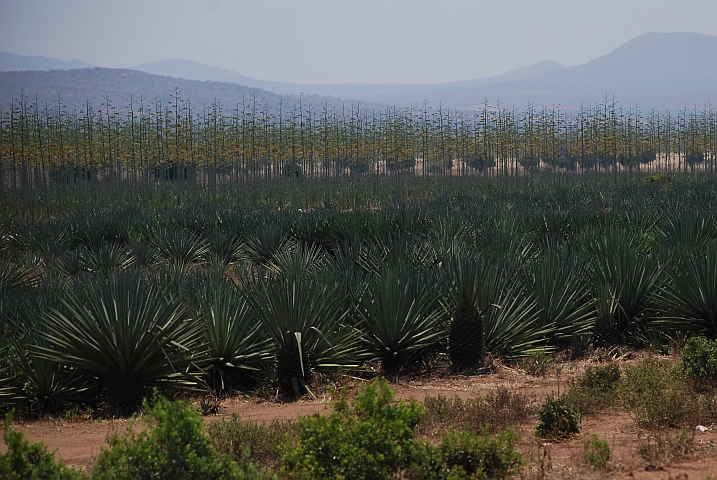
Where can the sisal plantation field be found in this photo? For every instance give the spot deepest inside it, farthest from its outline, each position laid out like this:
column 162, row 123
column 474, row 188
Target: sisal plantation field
column 133, row 271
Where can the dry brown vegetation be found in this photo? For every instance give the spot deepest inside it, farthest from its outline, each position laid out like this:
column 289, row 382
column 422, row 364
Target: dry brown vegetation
column 507, row 397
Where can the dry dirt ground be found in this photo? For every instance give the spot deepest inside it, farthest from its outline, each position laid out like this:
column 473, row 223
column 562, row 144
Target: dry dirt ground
column 79, row 442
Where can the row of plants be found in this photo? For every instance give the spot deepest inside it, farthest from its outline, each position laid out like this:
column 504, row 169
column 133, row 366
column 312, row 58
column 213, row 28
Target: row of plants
column 148, row 140
column 103, row 305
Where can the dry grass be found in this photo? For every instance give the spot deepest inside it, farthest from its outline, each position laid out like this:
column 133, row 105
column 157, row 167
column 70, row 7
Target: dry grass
column 261, row 441
column 499, row 409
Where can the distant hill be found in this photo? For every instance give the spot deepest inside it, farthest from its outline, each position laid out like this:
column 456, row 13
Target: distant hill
column 10, row 62
column 192, row 70
column 654, row 70
column 517, row 74
column 76, row 87
column 665, row 71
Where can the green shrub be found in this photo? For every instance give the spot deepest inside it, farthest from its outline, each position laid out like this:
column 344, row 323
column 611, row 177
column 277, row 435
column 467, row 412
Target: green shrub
column 463, row 454
column 656, row 397
column 30, row 461
column 595, row 390
column 173, row 446
column 602, row 378
column 656, row 177
column 557, row 419
column 699, row 359
column 370, row 438
column 597, row 452
column 538, row 364
column 236, row 437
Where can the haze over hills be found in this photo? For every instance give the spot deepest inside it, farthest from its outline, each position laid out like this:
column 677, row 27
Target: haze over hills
column 77, row 87
column 665, row 71
column 10, row 62
column 192, row 70
column 655, row 70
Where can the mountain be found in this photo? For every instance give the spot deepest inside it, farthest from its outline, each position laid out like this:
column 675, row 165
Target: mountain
column 517, row 74
column 10, row 62
column 192, row 70
column 665, row 71
column 202, row 84
column 76, row 87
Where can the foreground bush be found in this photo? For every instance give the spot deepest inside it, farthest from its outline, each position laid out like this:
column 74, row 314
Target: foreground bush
column 30, row 461
column 463, row 454
column 699, row 359
column 174, row 446
column 261, row 441
column 662, row 446
column 595, row 390
column 656, row 397
column 597, row 452
column 499, row 409
column 373, row 438
column 557, row 419
column 370, row 438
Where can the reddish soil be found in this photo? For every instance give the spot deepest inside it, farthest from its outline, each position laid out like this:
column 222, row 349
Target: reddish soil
column 78, row 443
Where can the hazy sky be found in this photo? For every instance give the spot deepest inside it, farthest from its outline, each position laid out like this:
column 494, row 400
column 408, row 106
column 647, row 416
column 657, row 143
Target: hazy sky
column 333, row 41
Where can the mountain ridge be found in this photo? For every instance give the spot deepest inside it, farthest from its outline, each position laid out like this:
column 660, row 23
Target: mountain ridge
column 12, row 62
column 193, row 70
column 94, row 85
column 664, row 71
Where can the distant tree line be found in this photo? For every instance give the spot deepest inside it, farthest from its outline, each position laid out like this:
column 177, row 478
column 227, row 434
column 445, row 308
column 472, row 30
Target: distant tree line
column 42, row 143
